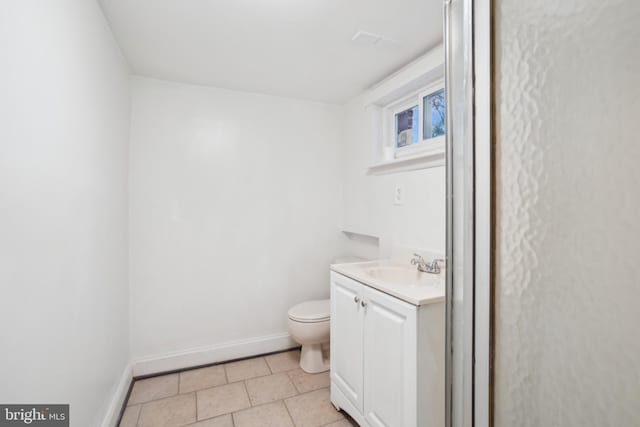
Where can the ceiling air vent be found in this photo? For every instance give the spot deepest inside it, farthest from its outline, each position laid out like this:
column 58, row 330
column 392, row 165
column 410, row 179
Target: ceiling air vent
column 365, row 38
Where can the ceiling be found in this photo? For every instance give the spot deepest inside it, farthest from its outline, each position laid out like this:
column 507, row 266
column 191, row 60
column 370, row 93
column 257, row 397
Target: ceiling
column 292, row 48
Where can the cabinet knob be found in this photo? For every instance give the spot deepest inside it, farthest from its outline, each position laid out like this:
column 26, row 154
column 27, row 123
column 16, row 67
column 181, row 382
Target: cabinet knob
column 364, row 304
column 356, row 299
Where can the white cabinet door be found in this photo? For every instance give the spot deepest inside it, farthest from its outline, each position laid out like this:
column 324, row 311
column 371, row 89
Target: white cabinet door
column 390, row 365
column 346, row 338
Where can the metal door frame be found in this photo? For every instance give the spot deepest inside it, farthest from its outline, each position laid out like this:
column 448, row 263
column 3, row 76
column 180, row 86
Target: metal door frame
column 470, row 213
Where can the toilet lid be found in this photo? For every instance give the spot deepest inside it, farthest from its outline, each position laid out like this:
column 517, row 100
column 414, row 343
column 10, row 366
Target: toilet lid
column 310, row 311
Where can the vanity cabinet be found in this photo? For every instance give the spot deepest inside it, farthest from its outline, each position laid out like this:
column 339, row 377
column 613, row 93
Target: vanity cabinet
column 347, row 328
column 387, row 357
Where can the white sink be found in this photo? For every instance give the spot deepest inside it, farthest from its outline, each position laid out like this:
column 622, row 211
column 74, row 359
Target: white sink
column 409, row 276
column 399, row 279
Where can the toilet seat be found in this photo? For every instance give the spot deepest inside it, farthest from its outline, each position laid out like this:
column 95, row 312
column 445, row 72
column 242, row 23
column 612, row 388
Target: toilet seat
column 310, row 311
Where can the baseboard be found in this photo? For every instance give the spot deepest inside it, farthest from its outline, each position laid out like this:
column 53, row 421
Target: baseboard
column 112, row 416
column 215, row 353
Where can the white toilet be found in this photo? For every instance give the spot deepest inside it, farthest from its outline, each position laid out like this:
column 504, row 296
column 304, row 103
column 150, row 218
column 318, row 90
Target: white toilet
column 309, row 326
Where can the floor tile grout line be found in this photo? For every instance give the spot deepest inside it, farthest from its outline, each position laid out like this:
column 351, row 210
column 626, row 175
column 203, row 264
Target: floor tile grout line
column 264, row 404
column 250, row 378
column 158, row 399
column 246, row 391
column 138, row 417
column 177, row 393
column 226, row 413
column 308, row 392
column 196, row 397
column 297, row 392
column 294, row 384
column 268, row 365
column 142, row 405
column 207, row 419
column 257, row 406
column 288, row 412
column 248, row 396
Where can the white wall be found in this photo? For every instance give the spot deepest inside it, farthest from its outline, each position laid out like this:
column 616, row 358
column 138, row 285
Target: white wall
column 234, row 207
column 64, row 122
column 568, row 203
column 368, row 203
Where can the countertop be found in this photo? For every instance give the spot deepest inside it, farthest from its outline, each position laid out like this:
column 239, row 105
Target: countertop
column 401, row 280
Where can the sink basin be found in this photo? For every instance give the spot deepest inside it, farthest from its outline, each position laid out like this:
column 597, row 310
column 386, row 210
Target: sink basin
column 396, row 278
column 401, row 275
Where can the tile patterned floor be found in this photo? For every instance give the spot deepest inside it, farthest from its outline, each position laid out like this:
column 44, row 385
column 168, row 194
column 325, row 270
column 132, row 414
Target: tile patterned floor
column 270, row 391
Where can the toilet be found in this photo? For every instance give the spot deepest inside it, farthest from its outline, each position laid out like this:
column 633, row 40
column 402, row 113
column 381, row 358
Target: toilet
column 309, row 326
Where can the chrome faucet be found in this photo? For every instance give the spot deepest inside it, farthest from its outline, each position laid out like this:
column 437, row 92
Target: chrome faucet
column 426, row 267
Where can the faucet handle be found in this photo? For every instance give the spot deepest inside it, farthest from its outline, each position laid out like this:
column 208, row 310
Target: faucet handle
column 434, row 267
column 417, row 259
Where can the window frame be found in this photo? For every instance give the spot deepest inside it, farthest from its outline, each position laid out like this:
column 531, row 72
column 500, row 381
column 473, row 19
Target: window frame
column 399, row 107
column 414, row 98
column 427, row 92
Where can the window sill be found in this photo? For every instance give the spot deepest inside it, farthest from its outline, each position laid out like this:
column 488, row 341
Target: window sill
column 424, row 160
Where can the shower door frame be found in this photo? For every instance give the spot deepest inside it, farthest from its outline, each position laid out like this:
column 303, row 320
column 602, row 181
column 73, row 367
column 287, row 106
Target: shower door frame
column 470, row 212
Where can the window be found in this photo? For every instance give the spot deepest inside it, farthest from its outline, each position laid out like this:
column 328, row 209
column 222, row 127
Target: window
column 417, row 123
column 405, row 117
column 433, row 122
column 407, row 123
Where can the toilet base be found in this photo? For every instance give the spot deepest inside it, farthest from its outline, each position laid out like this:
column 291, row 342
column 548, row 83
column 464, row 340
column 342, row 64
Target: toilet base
column 311, row 360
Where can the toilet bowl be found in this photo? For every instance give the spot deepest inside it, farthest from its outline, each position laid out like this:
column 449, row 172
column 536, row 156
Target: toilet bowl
column 309, row 326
